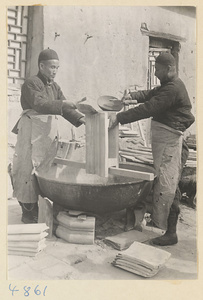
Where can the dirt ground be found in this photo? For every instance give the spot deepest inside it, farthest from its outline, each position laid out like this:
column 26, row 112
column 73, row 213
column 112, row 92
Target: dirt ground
column 61, row 260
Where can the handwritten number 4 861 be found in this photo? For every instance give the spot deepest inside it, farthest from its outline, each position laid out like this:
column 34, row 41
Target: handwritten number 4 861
column 27, row 290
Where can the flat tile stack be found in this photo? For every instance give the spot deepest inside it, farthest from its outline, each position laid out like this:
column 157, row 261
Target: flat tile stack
column 124, row 240
column 142, row 259
column 26, row 239
column 76, row 229
column 192, row 159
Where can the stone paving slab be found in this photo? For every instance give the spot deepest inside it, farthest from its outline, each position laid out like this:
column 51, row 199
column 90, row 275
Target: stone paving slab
column 16, row 261
column 25, row 272
column 63, row 261
column 56, row 271
column 43, row 261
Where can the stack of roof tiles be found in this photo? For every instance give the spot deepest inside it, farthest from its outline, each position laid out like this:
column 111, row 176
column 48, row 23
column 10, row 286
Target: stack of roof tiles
column 26, row 239
column 142, row 259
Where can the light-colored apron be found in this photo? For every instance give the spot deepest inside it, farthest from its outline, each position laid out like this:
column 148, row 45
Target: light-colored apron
column 166, row 150
column 36, row 134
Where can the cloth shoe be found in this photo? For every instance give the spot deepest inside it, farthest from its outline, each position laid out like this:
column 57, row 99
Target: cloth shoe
column 170, row 237
column 165, row 240
column 29, row 212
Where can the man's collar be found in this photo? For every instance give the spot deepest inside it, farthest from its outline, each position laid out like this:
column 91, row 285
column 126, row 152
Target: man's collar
column 171, row 78
column 44, row 79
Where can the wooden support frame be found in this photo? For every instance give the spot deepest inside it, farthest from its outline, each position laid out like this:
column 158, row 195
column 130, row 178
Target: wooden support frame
column 131, row 173
column 111, row 170
column 69, row 163
column 102, row 150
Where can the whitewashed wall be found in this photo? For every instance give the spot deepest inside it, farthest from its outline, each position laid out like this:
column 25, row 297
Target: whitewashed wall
column 115, row 57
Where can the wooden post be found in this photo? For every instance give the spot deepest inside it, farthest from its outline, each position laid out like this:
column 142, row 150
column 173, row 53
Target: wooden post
column 113, row 141
column 101, row 144
column 97, row 144
column 90, row 120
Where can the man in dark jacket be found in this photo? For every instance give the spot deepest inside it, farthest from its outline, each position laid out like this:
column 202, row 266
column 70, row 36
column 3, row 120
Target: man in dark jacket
column 170, row 108
column 41, row 100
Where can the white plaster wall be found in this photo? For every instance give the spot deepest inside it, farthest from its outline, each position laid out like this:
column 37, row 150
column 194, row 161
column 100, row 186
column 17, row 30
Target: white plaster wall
column 107, row 62
column 116, row 55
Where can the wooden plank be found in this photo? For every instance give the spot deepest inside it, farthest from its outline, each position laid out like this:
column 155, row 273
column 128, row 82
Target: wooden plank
column 139, row 157
column 131, row 173
column 69, row 163
column 137, row 154
column 136, row 150
column 132, row 158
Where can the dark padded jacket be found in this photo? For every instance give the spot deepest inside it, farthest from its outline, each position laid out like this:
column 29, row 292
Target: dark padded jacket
column 168, row 104
column 46, row 98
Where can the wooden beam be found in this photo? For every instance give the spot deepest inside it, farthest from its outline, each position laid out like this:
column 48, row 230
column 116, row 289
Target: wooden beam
column 136, row 151
column 131, row 173
column 69, row 163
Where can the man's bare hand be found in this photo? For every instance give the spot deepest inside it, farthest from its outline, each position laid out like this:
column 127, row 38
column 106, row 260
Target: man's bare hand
column 127, row 99
column 113, row 121
column 126, row 96
column 82, row 120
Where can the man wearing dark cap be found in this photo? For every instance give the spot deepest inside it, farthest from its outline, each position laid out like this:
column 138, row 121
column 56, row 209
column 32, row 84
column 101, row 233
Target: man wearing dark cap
column 41, row 100
column 170, row 108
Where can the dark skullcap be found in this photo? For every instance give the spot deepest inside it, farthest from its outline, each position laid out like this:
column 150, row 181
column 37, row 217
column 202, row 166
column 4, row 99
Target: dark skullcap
column 47, row 54
column 166, row 59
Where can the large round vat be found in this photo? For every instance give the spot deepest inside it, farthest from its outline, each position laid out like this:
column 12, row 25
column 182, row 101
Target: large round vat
column 74, row 189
